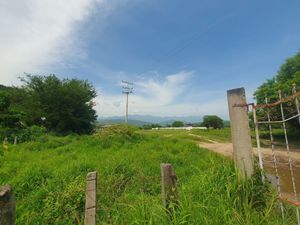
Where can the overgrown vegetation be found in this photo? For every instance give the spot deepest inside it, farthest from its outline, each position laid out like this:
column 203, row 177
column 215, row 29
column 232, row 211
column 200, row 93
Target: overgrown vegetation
column 212, row 121
column 62, row 106
column 48, row 176
column 220, row 135
column 287, row 76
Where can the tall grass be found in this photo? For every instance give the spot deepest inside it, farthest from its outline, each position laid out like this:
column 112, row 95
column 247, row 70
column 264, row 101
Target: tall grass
column 221, row 135
column 48, row 177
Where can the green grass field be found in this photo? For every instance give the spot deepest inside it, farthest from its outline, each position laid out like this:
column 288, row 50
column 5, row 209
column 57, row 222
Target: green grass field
column 219, row 135
column 48, row 176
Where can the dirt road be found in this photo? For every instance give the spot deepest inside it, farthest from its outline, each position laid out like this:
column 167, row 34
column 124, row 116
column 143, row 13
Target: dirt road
column 226, row 149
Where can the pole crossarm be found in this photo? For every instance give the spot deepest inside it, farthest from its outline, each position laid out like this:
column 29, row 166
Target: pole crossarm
column 127, row 89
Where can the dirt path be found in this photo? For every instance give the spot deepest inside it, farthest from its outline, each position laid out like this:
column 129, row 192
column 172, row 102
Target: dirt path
column 226, row 149
column 282, row 166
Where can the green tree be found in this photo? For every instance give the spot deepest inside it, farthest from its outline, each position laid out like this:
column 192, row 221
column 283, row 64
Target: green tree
column 287, row 75
column 150, row 126
column 9, row 118
column 177, row 124
column 212, row 121
column 63, row 106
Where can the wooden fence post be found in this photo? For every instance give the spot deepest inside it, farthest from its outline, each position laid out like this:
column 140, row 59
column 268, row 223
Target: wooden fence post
column 15, row 140
column 90, row 198
column 240, row 131
column 5, row 143
column 168, row 187
column 7, row 206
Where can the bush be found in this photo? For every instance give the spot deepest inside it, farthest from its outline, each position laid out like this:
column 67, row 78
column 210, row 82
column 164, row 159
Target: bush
column 177, row 124
column 212, row 121
column 50, row 184
column 27, row 134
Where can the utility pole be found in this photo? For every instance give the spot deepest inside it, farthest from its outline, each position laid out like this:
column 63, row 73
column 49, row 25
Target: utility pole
column 127, row 89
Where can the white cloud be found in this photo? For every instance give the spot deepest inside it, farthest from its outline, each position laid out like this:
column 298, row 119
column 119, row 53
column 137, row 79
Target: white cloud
column 162, row 92
column 36, row 34
column 160, row 97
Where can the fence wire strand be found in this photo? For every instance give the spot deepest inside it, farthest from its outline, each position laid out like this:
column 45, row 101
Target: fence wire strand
column 268, row 116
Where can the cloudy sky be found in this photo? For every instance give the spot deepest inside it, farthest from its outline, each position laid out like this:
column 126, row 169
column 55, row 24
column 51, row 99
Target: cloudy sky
column 181, row 55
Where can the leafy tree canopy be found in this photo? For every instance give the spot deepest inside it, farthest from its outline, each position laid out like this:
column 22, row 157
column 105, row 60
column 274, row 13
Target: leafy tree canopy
column 8, row 117
column 286, row 77
column 212, row 121
column 150, row 126
column 288, row 74
column 177, row 124
column 62, row 106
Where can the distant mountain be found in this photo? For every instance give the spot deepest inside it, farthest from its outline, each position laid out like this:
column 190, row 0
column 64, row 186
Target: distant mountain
column 121, row 121
column 166, row 122
column 159, row 119
column 141, row 120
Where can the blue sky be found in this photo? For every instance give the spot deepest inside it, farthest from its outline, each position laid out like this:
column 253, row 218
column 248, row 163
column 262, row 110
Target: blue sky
column 181, row 55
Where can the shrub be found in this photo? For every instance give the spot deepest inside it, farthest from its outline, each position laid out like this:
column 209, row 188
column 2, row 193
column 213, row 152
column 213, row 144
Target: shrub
column 26, row 134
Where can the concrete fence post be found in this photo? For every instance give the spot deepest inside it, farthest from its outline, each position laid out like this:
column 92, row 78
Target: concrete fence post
column 7, row 206
column 169, row 187
column 90, row 199
column 15, row 140
column 240, row 131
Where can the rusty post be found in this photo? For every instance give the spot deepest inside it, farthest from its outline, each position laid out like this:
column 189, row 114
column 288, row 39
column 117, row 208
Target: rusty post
column 240, row 130
column 261, row 164
column 169, row 187
column 289, row 156
column 274, row 159
column 7, row 206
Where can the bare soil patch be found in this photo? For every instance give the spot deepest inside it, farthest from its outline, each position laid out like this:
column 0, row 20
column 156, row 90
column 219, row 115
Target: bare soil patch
column 226, row 149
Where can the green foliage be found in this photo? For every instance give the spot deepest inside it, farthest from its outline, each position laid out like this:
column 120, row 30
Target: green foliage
column 177, row 124
column 288, row 74
column 49, row 184
column 11, row 107
column 25, row 134
column 226, row 123
column 117, row 135
column 9, row 118
column 4, row 102
column 65, row 104
column 150, row 126
column 212, row 121
column 219, row 135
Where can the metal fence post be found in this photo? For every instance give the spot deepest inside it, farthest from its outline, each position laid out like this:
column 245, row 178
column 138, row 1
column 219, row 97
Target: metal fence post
column 240, row 131
column 7, row 206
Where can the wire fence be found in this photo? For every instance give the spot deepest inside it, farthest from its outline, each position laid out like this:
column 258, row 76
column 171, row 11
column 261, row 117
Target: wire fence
column 268, row 116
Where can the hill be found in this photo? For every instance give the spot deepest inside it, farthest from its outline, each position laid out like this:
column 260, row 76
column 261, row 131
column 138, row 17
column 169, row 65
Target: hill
column 141, row 120
column 121, row 121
